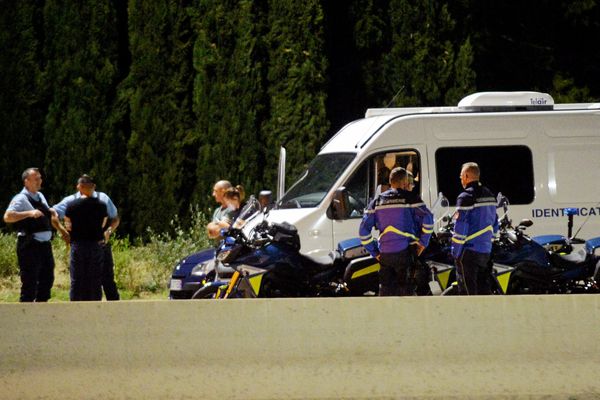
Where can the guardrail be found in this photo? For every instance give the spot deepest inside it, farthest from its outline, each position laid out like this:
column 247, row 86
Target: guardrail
column 417, row 347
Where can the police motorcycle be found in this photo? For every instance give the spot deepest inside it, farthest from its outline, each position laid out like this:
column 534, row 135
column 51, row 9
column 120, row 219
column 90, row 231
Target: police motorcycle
column 194, row 271
column 440, row 265
column 432, row 267
column 262, row 259
column 548, row 264
column 435, row 266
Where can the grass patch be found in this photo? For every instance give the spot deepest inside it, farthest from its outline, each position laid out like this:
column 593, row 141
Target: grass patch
column 142, row 269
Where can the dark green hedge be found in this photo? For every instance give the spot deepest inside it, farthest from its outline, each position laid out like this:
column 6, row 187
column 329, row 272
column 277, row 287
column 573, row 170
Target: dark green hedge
column 159, row 99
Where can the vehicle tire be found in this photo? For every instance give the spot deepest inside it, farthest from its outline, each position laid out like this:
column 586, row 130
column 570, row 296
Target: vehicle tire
column 206, row 292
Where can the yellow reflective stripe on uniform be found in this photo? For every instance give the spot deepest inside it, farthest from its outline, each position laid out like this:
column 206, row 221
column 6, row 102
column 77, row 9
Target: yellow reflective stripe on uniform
column 488, row 228
column 426, row 230
column 460, row 239
column 398, row 232
column 366, row 242
column 365, row 237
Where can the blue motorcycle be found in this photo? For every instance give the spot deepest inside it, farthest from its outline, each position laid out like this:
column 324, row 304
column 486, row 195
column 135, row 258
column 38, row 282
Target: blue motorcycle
column 549, row 264
column 261, row 259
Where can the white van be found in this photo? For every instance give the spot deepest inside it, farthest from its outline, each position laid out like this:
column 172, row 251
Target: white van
column 544, row 157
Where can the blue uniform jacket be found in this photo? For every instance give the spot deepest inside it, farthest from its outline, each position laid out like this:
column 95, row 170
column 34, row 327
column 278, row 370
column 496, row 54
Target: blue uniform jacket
column 401, row 217
column 475, row 219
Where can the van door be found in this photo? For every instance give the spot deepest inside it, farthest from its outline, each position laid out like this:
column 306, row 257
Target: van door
column 372, row 178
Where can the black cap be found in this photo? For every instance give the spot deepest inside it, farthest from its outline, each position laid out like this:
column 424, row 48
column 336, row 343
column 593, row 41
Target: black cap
column 86, row 179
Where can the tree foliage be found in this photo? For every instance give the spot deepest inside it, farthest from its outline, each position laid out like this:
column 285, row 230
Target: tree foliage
column 159, row 100
column 229, row 95
column 296, row 84
column 158, row 89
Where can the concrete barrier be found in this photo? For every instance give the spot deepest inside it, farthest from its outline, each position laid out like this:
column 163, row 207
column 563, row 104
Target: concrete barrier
column 438, row 347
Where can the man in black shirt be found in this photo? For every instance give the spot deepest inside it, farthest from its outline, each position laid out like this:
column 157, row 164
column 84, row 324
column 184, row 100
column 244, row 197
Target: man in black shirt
column 85, row 218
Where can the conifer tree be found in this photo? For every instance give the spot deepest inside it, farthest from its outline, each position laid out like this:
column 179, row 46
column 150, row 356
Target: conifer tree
column 80, row 76
column 296, row 85
column 158, row 89
column 427, row 63
column 229, row 99
column 22, row 101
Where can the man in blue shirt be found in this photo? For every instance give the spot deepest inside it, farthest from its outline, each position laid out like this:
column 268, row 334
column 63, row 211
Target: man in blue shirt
column 33, row 220
column 405, row 225
column 108, row 275
column 475, row 224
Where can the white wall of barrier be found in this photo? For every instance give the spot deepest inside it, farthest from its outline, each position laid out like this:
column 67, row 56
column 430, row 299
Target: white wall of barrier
column 438, row 347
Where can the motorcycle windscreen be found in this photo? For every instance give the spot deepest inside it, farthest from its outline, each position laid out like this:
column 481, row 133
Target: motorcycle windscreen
column 249, row 212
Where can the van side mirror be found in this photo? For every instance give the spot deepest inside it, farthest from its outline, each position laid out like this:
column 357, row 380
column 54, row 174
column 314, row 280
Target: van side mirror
column 340, row 205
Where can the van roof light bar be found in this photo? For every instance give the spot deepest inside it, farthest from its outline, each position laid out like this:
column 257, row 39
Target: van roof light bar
column 507, row 101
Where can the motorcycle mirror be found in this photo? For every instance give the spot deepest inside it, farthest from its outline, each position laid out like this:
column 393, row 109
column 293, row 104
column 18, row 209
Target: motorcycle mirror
column 265, row 198
column 501, row 201
column 440, row 207
column 525, row 223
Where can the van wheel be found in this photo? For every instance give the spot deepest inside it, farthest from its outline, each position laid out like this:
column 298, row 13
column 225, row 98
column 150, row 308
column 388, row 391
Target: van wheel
column 206, row 292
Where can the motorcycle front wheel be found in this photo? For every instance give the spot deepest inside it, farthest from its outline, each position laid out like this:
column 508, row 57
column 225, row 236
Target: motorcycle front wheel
column 206, row 292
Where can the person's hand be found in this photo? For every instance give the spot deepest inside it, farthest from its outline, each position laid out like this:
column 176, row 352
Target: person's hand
column 420, row 248
column 107, row 234
column 64, row 234
column 378, row 257
column 36, row 213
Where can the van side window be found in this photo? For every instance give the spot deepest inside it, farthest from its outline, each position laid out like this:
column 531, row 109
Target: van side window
column 372, row 177
column 506, row 169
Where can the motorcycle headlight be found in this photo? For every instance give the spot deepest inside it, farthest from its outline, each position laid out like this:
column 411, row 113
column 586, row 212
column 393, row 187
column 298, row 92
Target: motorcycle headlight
column 222, row 256
column 200, row 269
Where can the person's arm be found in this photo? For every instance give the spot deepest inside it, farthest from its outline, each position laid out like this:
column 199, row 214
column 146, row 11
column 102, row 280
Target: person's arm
column 62, row 231
column 61, row 207
column 68, row 225
column 369, row 221
column 213, row 230
column 114, row 223
column 425, row 221
column 464, row 206
column 11, row 216
column 225, row 222
column 13, row 213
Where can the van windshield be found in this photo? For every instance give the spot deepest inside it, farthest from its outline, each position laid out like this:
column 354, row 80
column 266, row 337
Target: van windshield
column 314, row 183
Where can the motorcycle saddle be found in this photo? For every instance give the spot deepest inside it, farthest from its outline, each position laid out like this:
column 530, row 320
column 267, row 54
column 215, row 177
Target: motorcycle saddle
column 569, row 261
column 319, row 262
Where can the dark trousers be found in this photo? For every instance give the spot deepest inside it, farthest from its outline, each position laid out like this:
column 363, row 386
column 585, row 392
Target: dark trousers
column 86, row 271
column 36, row 268
column 473, row 273
column 108, row 274
column 395, row 274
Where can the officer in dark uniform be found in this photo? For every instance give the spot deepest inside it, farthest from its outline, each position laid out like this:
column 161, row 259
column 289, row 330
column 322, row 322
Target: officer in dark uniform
column 108, row 271
column 403, row 220
column 33, row 220
column 85, row 217
column 475, row 224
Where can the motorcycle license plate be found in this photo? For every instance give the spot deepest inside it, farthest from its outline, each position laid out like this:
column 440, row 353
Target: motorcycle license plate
column 176, row 284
